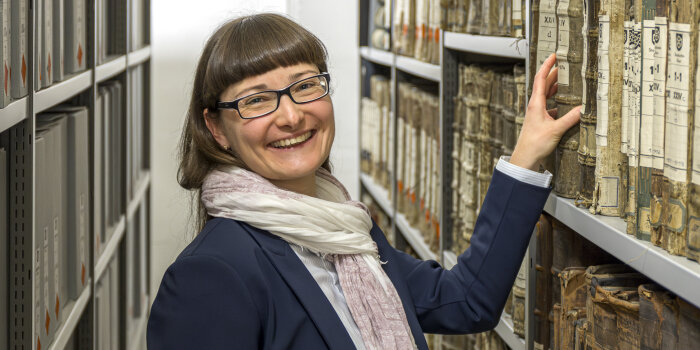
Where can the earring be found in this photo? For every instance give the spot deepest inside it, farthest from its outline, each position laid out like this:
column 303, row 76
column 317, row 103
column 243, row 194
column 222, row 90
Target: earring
column 229, row 149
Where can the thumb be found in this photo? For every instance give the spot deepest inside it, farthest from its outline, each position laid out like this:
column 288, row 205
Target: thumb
column 568, row 120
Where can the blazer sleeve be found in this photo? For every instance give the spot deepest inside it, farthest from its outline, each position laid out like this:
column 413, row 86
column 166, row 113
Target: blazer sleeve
column 470, row 297
column 202, row 303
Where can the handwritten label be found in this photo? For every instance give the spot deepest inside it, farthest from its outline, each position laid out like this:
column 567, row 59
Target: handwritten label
column 648, row 85
column 603, row 80
column 547, row 35
column 660, row 38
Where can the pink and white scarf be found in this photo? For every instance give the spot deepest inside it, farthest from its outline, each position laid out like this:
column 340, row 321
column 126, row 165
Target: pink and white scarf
column 330, row 225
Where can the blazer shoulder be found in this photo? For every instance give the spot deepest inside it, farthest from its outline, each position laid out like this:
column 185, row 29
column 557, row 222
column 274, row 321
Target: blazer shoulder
column 225, row 239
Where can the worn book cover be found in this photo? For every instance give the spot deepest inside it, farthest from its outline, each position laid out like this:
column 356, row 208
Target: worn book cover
column 631, row 125
column 18, row 47
column 682, row 54
column 611, row 167
column 543, row 280
column 475, row 17
column 660, row 63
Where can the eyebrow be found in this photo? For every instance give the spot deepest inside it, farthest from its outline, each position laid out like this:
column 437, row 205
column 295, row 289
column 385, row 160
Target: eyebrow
column 292, row 78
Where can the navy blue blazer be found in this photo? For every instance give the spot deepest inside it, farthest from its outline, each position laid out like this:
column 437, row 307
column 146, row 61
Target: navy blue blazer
column 238, row 287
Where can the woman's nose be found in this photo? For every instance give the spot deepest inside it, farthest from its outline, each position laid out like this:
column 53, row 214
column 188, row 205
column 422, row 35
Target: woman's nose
column 288, row 113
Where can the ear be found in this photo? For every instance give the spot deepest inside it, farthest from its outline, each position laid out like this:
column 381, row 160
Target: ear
column 215, row 126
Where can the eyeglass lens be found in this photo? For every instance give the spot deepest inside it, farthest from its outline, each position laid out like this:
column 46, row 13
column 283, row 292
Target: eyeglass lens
column 265, row 102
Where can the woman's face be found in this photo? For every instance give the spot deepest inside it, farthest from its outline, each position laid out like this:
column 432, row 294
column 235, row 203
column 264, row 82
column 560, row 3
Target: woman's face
column 310, row 126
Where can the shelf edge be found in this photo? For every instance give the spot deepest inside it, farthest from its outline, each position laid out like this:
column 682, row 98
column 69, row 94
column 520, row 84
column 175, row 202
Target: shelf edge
column 110, row 249
column 13, row 113
column 380, row 195
column 143, row 185
column 139, row 56
column 61, row 91
column 419, row 68
column 505, row 331
column 110, row 69
column 63, row 335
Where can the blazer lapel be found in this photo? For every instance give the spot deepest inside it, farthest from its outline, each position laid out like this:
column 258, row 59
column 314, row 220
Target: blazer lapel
column 300, row 281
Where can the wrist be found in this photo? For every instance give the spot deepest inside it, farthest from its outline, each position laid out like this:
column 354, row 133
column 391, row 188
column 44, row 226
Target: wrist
column 524, row 161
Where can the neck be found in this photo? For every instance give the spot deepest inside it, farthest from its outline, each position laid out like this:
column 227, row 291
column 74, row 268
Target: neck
column 305, row 185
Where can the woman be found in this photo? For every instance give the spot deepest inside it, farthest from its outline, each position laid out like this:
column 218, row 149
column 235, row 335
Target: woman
column 285, row 259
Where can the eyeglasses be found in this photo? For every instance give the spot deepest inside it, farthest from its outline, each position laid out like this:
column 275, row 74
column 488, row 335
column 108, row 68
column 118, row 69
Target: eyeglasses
column 263, row 103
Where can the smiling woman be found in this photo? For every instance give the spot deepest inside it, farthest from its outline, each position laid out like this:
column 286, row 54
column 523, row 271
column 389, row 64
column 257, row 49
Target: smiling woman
column 285, row 258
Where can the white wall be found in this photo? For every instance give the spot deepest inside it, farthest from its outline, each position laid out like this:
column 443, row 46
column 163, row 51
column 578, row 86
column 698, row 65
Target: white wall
column 179, row 34
column 336, row 24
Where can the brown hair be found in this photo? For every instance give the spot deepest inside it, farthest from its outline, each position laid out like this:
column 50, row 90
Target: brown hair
column 241, row 48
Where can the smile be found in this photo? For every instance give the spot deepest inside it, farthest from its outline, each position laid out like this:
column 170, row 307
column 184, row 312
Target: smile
column 288, row 143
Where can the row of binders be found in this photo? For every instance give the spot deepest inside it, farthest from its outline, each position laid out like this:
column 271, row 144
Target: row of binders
column 377, row 144
column 110, row 120
column 416, row 29
column 486, row 17
column 61, row 34
column 62, row 216
column 137, row 124
column 110, row 29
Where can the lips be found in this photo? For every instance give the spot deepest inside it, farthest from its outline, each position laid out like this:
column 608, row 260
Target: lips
column 294, row 141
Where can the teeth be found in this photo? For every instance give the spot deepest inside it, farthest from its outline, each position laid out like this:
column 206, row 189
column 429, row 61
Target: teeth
column 291, row 142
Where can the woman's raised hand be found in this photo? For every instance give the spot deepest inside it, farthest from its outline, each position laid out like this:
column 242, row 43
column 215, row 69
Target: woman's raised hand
column 541, row 132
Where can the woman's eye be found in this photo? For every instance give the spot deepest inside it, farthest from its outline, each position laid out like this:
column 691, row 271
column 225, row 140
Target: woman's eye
column 254, row 100
column 307, row 85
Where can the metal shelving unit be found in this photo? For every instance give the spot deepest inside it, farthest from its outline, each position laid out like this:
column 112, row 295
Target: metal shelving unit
column 110, row 69
column 505, row 330
column 382, row 57
column 487, row 45
column 414, row 238
column 418, row 68
column 676, row 273
column 59, row 92
column 380, row 195
column 139, row 56
column 70, row 323
column 111, row 248
column 18, row 125
column 13, row 113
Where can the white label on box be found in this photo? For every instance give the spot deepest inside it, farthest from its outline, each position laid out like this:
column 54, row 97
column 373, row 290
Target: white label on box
column 648, row 85
column 677, row 102
column 603, row 80
column 660, row 48
column 634, row 93
column 563, row 42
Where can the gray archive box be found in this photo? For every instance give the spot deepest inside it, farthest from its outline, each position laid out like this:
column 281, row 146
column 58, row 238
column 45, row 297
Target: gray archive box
column 107, row 154
column 4, row 252
column 75, row 26
column 38, row 45
column 41, row 229
column 20, row 40
column 47, row 43
column 98, row 186
column 77, row 198
column 58, row 40
column 114, row 304
column 5, row 53
column 118, row 118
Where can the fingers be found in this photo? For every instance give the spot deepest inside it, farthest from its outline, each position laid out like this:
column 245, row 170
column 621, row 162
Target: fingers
column 540, row 85
column 552, row 79
column 553, row 90
column 553, row 113
column 570, row 119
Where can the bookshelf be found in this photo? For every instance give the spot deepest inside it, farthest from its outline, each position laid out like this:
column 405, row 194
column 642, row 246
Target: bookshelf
column 115, row 51
column 678, row 274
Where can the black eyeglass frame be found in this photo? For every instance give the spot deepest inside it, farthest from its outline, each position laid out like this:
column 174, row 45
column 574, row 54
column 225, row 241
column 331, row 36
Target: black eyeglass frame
column 285, row 91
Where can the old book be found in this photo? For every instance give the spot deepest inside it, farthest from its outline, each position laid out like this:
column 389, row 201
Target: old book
column 567, row 179
column 505, row 17
column 557, row 318
column 630, row 120
column 616, row 306
column 519, row 289
column 47, row 43
column 692, row 250
column 543, row 280
column 611, row 167
column 589, row 74
column 509, row 112
column 496, row 108
column 670, row 324
column 435, row 24
column 683, row 19
column 520, row 107
column 582, row 334
column 58, row 38
column 486, row 165
column 569, row 322
column 489, row 12
column 647, row 9
column 660, row 63
column 18, row 48
column 420, row 49
column 651, row 305
column 534, row 39
column 475, row 16
column 405, row 27
column 688, row 325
